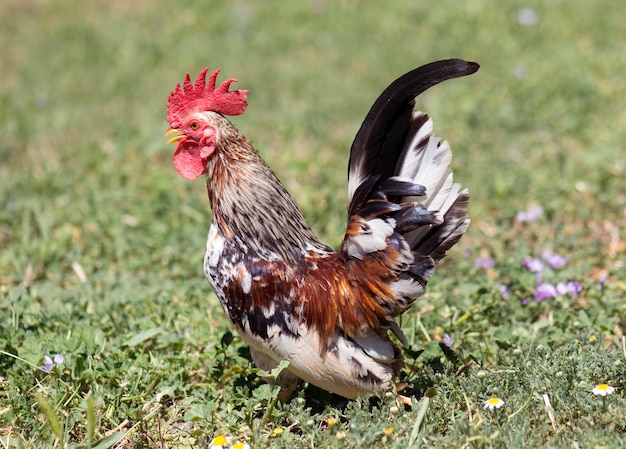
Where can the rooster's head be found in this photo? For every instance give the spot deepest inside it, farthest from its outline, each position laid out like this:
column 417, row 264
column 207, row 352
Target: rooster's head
column 187, row 113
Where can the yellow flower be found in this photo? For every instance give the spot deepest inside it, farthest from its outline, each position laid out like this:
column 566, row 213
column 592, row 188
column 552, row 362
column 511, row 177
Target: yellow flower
column 218, row 442
column 241, row 446
column 493, row 403
column 278, row 431
column 330, row 422
column 340, row 435
column 388, row 431
column 603, row 390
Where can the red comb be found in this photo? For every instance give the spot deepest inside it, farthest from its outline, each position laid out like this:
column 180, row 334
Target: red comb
column 203, row 96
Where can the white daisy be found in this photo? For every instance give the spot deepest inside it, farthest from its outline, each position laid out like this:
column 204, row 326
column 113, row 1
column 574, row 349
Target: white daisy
column 603, row 390
column 493, row 403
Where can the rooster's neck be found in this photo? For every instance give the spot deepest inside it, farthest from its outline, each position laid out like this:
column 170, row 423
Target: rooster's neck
column 251, row 206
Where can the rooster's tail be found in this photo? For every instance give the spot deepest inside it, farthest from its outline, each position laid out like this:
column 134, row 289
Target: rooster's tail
column 404, row 210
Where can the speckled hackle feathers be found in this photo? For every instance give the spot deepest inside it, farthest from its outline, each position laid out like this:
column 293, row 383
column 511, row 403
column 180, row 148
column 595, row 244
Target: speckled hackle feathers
column 204, row 96
column 330, row 314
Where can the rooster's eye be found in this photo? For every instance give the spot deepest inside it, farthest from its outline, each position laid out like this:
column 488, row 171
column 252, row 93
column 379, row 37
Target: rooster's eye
column 194, row 125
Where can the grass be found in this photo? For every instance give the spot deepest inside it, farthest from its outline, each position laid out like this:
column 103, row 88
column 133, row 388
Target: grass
column 101, row 242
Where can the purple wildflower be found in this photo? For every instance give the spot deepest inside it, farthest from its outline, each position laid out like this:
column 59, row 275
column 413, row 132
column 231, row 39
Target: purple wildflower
column 50, row 363
column 504, row 290
column 545, row 291
column 562, row 288
column 554, row 260
column 527, row 17
column 532, row 214
column 572, row 288
column 484, row 262
column 602, row 282
column 533, row 265
column 520, row 72
column 448, row 340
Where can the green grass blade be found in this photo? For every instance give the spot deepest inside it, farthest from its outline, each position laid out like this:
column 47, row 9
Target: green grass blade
column 48, row 410
column 143, row 336
column 421, row 413
column 91, row 419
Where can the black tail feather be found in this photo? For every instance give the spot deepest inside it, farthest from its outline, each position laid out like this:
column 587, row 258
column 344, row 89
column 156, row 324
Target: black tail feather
column 380, row 140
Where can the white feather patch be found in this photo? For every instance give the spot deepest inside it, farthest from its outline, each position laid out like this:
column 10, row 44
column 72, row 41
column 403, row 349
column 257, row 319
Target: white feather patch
column 214, row 246
column 374, row 346
column 347, row 369
column 414, row 152
column 407, row 288
column 371, row 238
column 269, row 312
column 427, row 163
column 245, row 279
column 426, row 129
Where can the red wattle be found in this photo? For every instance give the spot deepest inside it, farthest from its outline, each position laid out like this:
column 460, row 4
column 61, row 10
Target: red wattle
column 188, row 160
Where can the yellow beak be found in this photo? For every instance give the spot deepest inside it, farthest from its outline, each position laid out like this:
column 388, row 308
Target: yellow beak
column 176, row 138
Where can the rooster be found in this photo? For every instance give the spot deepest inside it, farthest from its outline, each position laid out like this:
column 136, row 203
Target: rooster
column 328, row 312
